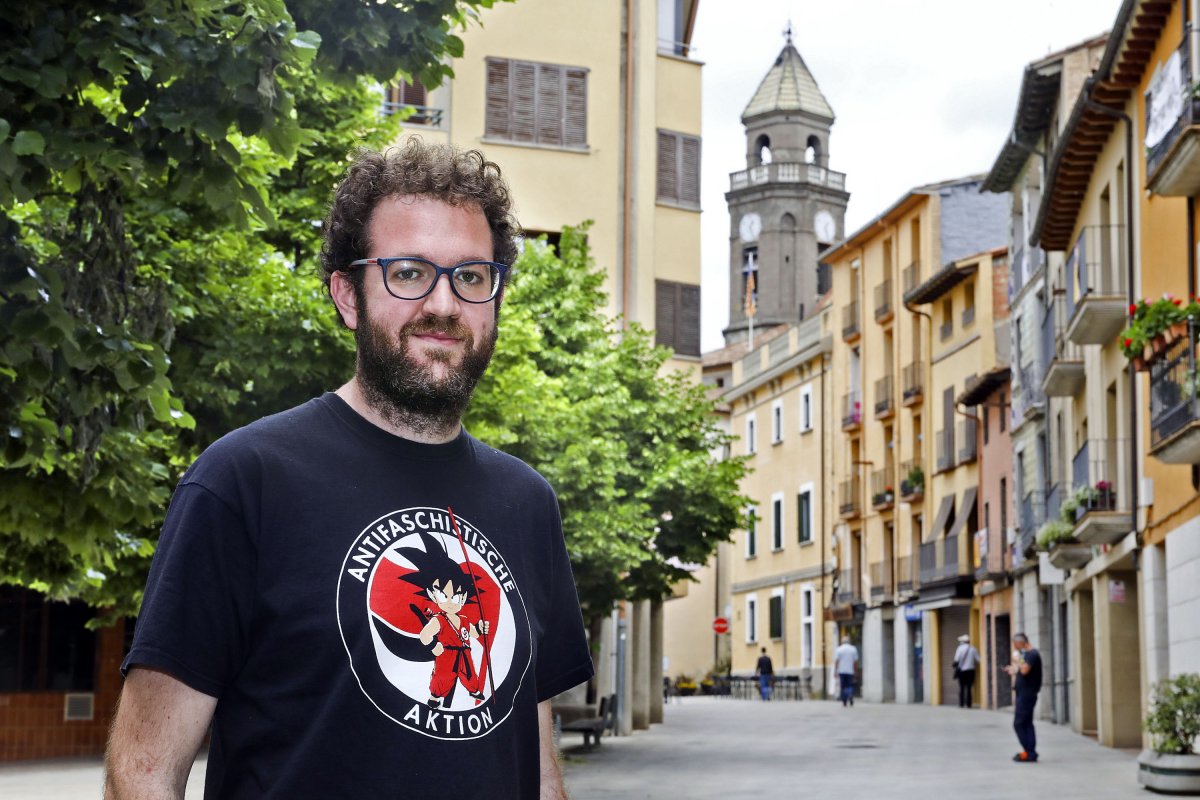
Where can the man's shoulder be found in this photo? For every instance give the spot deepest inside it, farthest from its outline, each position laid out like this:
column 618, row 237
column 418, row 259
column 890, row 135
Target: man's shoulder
column 252, row 443
column 513, row 469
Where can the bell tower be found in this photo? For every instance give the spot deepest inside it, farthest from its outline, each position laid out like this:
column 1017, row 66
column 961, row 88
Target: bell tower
column 787, row 205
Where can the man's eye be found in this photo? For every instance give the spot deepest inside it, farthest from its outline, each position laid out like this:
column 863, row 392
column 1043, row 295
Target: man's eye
column 408, row 274
column 470, row 277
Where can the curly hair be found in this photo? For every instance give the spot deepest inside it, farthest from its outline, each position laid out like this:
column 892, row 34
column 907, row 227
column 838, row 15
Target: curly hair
column 439, row 171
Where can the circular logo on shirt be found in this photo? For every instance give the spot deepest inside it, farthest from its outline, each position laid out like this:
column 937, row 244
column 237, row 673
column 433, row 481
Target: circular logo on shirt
column 433, row 623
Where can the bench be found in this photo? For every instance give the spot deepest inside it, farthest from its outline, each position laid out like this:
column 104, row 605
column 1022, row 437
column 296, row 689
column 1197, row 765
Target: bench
column 594, row 727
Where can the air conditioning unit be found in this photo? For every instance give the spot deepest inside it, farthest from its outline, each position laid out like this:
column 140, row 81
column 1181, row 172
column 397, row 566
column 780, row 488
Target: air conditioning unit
column 79, row 707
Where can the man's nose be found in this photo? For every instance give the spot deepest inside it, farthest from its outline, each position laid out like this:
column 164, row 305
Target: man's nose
column 442, row 301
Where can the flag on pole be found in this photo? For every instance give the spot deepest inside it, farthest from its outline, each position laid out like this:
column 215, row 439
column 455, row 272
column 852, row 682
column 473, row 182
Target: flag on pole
column 751, row 304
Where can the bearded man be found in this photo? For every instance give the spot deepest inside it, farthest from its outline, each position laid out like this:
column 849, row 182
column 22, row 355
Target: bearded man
column 286, row 607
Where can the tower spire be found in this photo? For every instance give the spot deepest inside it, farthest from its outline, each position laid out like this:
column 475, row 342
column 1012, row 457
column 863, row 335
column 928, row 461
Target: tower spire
column 787, row 33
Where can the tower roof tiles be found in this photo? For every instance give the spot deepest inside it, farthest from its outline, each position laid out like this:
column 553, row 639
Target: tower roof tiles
column 788, row 86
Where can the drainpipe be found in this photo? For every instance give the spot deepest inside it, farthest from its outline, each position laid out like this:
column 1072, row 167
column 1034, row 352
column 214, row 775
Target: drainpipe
column 627, row 170
column 824, row 502
column 1131, row 250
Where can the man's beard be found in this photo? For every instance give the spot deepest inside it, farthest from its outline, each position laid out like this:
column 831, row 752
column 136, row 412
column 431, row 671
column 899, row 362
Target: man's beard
column 407, row 393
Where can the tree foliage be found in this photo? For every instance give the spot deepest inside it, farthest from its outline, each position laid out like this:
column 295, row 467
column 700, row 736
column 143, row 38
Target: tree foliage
column 628, row 447
column 164, row 166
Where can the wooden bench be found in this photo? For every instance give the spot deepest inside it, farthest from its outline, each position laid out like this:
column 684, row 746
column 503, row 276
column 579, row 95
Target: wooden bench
column 594, row 727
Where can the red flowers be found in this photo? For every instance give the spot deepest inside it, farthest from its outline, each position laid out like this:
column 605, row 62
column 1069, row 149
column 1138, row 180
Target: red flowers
column 1132, row 309
column 1129, row 343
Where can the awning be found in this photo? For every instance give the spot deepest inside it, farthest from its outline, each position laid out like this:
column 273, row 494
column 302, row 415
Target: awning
column 939, row 522
column 967, row 510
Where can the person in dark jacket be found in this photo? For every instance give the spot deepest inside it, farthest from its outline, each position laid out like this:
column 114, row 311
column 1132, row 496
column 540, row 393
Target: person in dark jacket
column 1026, row 671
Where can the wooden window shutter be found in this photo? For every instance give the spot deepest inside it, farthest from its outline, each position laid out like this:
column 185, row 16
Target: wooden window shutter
column 524, row 99
column 689, row 170
column 414, row 93
column 549, row 105
column 497, row 123
column 575, row 116
column 687, row 315
column 664, row 312
column 667, row 166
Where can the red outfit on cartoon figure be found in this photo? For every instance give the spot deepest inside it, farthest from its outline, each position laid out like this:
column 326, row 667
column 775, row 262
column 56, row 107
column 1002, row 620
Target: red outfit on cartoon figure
column 455, row 663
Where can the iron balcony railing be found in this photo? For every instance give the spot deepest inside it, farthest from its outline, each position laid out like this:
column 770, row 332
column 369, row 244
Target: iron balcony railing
column 946, row 330
column 883, row 396
column 967, row 450
column 883, row 299
column 906, row 574
column 881, row 580
column 912, row 479
column 850, row 320
column 1189, row 107
column 1024, row 266
column 945, row 448
column 883, row 487
column 1079, row 467
column 913, row 380
column 1032, row 514
column 1055, row 346
column 941, row 560
column 850, row 497
column 1027, row 393
column 968, row 316
column 787, row 172
column 849, row 588
column 1096, row 264
column 1104, row 476
column 851, row 409
column 990, row 553
column 911, row 277
column 1174, row 389
column 421, row 115
column 1054, row 498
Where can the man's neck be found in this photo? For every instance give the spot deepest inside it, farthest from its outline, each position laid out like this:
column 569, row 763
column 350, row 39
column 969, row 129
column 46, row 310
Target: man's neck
column 352, row 393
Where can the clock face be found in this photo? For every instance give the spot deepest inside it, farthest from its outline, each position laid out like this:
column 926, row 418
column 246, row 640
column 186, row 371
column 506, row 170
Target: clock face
column 750, row 227
column 825, row 227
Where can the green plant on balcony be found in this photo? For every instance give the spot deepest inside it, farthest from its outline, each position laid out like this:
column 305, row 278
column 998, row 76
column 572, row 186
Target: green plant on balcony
column 880, row 498
column 914, row 481
column 1153, row 325
column 1055, row 531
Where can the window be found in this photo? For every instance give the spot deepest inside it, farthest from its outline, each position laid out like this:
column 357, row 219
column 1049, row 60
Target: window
column 1003, row 408
column 677, row 317
column 536, row 103
column 777, row 422
column 44, row 645
column 806, row 416
column 804, row 514
column 806, row 626
column 678, row 173
column 968, row 314
column 751, row 618
column 775, row 614
column 777, row 521
column 751, row 444
column 986, row 422
column 1004, row 507
column 751, row 533
column 947, row 327
column 405, row 94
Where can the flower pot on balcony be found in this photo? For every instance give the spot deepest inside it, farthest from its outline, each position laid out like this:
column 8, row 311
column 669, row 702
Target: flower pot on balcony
column 1170, row 773
column 1070, row 555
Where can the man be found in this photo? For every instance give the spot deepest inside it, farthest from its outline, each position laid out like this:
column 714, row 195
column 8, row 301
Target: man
column 845, row 661
column 361, row 598
column 765, row 672
column 1026, row 669
column 966, row 660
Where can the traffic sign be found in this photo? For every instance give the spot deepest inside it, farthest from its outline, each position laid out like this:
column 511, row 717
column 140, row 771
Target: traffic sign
column 720, row 625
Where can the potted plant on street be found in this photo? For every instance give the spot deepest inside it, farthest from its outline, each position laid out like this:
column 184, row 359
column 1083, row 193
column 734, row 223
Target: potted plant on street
column 1171, row 765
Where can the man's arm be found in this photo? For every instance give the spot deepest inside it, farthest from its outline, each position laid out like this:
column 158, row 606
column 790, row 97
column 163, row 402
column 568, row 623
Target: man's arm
column 552, row 780
column 158, row 729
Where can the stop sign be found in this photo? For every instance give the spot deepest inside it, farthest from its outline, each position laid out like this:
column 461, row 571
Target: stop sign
column 720, row 625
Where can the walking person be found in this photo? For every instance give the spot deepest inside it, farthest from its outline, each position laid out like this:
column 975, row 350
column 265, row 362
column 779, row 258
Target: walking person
column 966, row 660
column 765, row 672
column 845, row 660
column 358, row 596
column 1026, row 670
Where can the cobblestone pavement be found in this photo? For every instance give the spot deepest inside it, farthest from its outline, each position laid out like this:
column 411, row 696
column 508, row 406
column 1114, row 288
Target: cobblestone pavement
column 721, row 748
column 730, row 749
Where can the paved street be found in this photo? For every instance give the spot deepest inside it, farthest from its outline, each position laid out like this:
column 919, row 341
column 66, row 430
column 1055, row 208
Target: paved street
column 731, row 749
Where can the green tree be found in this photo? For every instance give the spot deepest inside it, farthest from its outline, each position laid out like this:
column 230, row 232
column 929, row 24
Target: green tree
column 162, row 165
column 628, row 447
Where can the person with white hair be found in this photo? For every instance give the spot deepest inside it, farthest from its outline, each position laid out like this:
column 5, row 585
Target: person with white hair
column 845, row 658
column 966, row 660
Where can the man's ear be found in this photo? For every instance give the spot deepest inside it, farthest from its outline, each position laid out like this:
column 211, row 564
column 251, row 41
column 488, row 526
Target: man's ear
column 345, row 299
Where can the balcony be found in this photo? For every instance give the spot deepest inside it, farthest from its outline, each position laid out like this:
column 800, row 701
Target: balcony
column 882, row 587
column 883, row 302
column 850, row 498
column 968, row 442
column 785, row 172
column 946, row 330
column 419, row 115
column 885, row 406
column 912, row 482
column 945, row 449
column 910, row 278
column 968, row 317
column 1062, row 358
column 1028, row 399
column 1174, row 405
column 1101, row 485
column 1173, row 163
column 1096, row 285
column 1025, row 264
column 849, row 588
column 906, row 576
column 1032, row 513
column 990, row 555
column 912, row 381
column 852, row 411
column 883, row 489
column 851, row 331
column 943, row 560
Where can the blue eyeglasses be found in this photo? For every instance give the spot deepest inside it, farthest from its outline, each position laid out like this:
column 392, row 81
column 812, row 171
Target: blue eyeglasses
column 411, row 278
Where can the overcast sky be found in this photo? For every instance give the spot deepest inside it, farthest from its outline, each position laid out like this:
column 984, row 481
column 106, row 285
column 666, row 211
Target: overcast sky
column 923, row 90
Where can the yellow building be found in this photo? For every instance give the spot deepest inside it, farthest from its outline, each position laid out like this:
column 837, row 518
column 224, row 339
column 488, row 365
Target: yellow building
column 906, row 508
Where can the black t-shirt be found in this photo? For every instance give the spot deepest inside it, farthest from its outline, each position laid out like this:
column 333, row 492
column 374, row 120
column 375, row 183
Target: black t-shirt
column 1031, row 682
column 764, row 665
column 292, row 582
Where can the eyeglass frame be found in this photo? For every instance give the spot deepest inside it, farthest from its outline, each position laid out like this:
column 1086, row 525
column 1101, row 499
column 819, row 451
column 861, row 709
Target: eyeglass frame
column 386, row 261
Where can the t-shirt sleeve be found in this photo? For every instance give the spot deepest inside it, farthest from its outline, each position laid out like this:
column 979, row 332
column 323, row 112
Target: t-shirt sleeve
column 564, row 659
column 196, row 611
